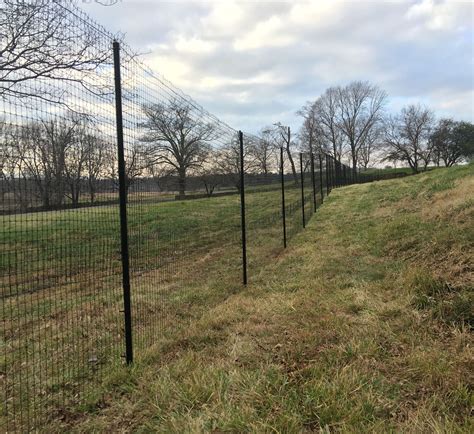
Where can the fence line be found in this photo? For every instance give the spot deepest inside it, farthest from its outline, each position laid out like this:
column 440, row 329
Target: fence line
column 102, row 250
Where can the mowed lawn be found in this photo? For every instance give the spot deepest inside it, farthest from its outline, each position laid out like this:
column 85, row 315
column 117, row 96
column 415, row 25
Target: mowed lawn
column 35, row 246
column 363, row 324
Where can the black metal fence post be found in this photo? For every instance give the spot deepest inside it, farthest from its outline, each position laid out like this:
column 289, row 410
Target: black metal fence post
column 338, row 173
column 344, row 174
column 327, row 174
column 242, row 209
column 302, row 189
column 334, row 172
column 321, row 177
column 313, row 180
column 127, row 308
column 283, row 207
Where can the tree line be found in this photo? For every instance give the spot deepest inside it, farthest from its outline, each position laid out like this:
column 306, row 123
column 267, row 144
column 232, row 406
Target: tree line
column 68, row 160
column 63, row 159
column 350, row 122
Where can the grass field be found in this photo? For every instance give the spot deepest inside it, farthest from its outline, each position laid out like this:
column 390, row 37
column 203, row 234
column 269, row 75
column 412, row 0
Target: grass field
column 60, row 282
column 363, row 324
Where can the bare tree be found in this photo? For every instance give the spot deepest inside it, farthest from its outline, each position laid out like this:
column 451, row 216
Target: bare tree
column 327, row 113
column 209, row 176
column 38, row 43
column 136, row 163
column 156, row 171
column 42, row 149
column 265, row 152
column 75, row 161
column 310, row 134
column 5, row 160
column 287, row 144
column 227, row 160
column 360, row 107
column 4, row 155
column 407, row 136
column 371, row 144
column 97, row 153
column 176, row 138
column 12, row 176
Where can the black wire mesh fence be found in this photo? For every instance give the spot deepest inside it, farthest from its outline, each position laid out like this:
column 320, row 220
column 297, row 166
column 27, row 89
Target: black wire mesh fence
column 262, row 185
column 125, row 208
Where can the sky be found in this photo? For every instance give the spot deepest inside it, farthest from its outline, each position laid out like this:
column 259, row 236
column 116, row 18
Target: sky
column 255, row 63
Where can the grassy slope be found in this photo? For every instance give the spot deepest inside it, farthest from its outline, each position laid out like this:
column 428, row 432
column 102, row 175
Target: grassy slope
column 362, row 324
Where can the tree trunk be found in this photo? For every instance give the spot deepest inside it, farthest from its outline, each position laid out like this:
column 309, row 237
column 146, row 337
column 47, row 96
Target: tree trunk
column 91, row 190
column 182, row 182
column 293, row 167
column 75, row 193
column 354, row 164
column 46, row 201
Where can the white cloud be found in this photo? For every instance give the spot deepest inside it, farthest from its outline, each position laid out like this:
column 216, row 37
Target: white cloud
column 441, row 15
column 223, row 19
column 316, row 13
column 194, row 45
column 170, row 66
column 254, row 63
column 272, row 32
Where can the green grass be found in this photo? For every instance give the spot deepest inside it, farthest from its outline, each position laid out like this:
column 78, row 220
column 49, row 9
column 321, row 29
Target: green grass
column 331, row 335
column 391, row 170
column 364, row 324
column 60, row 276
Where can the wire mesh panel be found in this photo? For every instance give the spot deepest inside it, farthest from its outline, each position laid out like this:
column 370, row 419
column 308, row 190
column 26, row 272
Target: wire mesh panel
column 292, row 182
column 183, row 205
column 59, row 239
column 262, row 183
column 62, row 261
column 309, row 187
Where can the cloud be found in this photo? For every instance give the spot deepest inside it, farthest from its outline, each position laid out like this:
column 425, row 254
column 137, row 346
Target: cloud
column 436, row 15
column 255, row 63
column 268, row 33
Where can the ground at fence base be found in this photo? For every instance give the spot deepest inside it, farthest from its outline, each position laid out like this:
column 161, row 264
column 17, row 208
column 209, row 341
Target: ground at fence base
column 360, row 325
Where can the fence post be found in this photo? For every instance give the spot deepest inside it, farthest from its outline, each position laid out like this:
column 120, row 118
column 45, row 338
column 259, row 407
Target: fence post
column 313, row 181
column 344, row 174
column 338, row 173
column 127, row 308
column 334, row 172
column 321, row 177
column 242, row 209
column 283, row 208
column 302, row 189
column 327, row 174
